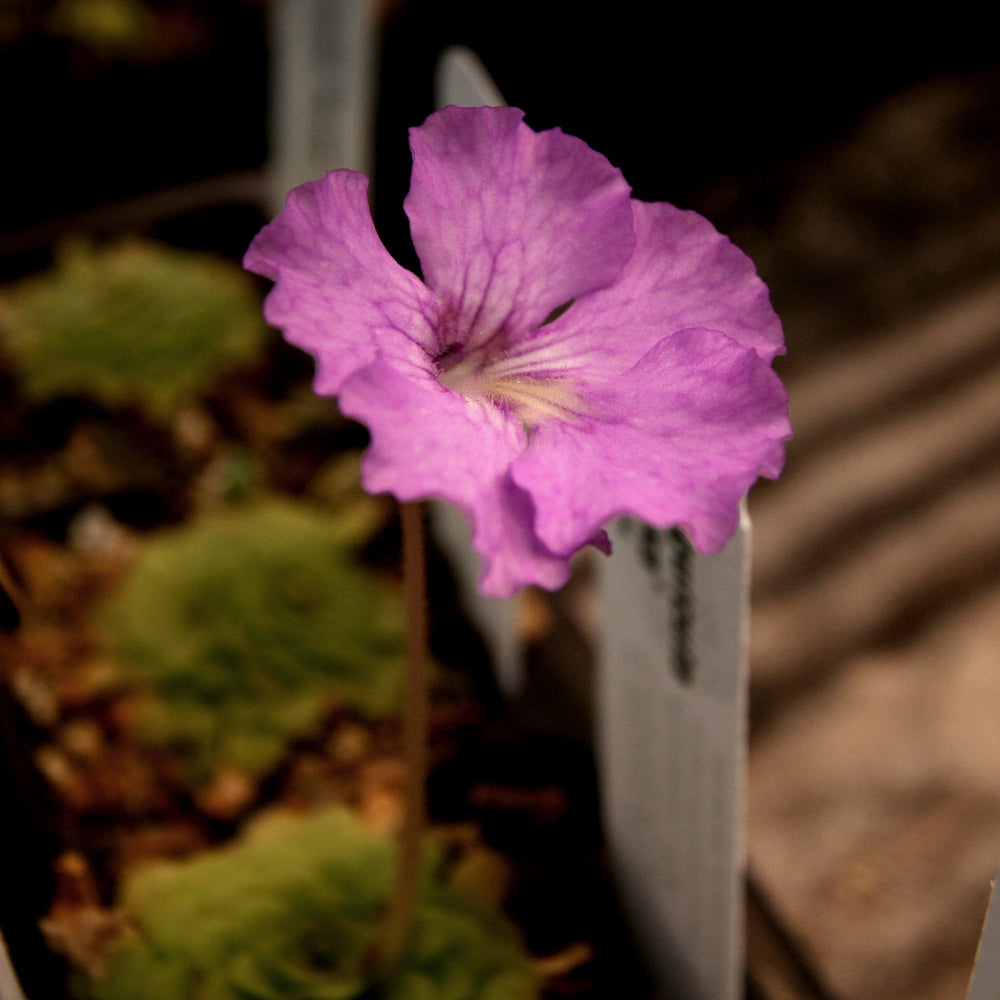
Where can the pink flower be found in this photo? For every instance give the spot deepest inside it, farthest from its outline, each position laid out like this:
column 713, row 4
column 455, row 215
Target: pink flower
column 571, row 355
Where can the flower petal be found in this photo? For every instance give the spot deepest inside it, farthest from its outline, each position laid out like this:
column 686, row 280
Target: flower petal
column 427, row 441
column 683, row 274
column 510, row 223
column 339, row 294
column 678, row 439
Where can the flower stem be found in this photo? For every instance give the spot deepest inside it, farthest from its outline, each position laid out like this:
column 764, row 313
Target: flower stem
column 395, row 932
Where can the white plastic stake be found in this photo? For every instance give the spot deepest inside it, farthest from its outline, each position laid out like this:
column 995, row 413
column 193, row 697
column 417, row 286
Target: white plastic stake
column 671, row 710
column 322, row 111
column 985, row 983
column 672, row 722
column 10, row 988
column 462, row 80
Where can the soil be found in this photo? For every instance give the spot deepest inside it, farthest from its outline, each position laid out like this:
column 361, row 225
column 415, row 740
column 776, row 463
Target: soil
column 95, row 802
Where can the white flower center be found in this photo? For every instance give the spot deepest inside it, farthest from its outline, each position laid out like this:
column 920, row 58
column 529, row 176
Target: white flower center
column 533, row 399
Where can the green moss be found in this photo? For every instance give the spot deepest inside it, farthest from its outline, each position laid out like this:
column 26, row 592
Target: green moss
column 132, row 323
column 244, row 627
column 288, row 913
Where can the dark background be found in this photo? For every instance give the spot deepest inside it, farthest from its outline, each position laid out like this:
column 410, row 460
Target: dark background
column 678, row 96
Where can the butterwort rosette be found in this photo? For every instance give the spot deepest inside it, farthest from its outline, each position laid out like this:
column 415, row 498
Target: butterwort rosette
column 571, row 354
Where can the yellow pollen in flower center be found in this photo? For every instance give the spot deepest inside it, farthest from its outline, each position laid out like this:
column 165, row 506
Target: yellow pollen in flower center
column 532, row 398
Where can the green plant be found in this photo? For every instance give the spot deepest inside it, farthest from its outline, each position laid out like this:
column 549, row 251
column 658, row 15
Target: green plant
column 288, row 913
column 243, row 629
column 134, row 323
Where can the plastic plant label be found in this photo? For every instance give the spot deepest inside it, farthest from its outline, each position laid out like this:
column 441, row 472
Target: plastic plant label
column 671, row 709
column 10, row 988
column 322, row 98
column 462, row 79
column 672, row 721
column 985, row 983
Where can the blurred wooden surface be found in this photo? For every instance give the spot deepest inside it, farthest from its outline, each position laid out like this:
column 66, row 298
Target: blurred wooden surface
column 875, row 755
